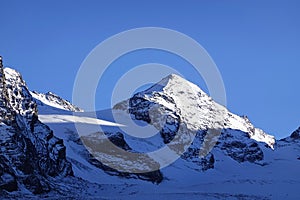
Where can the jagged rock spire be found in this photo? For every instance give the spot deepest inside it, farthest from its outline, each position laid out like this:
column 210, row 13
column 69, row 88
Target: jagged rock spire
column 5, row 111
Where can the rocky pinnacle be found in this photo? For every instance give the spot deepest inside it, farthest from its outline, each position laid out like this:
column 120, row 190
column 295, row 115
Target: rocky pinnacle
column 5, row 113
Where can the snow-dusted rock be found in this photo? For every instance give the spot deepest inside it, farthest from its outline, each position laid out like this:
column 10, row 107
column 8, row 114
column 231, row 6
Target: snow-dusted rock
column 176, row 106
column 54, row 100
column 30, row 153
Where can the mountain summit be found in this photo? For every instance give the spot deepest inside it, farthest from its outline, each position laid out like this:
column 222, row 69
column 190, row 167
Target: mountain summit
column 194, row 107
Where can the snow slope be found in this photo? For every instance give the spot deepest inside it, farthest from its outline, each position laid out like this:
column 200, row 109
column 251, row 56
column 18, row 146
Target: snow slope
column 233, row 176
column 276, row 177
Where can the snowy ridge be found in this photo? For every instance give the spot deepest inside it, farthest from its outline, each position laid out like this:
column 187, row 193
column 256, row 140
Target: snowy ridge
column 54, row 100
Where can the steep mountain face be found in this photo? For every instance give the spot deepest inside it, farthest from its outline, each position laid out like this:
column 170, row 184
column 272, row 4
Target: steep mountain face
column 30, row 153
column 175, row 106
column 291, row 144
column 5, row 112
column 296, row 134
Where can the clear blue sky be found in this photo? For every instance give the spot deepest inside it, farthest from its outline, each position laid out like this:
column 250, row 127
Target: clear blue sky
column 255, row 44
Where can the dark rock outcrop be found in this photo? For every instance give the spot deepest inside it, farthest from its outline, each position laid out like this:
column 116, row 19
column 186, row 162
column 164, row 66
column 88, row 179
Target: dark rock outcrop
column 30, row 153
column 118, row 140
column 296, row 134
column 143, row 109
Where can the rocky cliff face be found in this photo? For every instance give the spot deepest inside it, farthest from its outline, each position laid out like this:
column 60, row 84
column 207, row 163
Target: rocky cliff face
column 296, row 134
column 93, row 141
column 5, row 111
column 30, row 153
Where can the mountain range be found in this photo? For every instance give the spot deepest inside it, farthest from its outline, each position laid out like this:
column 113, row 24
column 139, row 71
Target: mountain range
column 169, row 141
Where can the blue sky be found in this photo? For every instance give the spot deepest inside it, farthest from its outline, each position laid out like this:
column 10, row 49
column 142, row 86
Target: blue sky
column 255, row 44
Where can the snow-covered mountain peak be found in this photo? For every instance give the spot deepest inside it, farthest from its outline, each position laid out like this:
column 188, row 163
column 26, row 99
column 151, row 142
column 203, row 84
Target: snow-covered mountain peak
column 6, row 113
column 171, row 81
column 55, row 101
column 185, row 102
column 171, row 78
column 19, row 96
column 13, row 74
